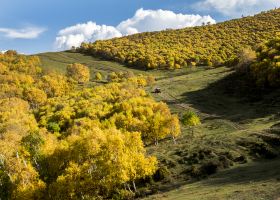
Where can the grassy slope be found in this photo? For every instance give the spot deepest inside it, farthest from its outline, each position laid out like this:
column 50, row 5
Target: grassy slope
column 59, row 60
column 258, row 180
column 225, row 118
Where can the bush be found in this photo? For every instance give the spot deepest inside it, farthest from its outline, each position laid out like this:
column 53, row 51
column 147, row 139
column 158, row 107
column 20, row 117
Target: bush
column 161, row 174
column 53, row 127
column 190, row 119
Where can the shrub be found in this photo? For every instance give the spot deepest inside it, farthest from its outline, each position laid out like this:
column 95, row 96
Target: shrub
column 98, row 76
column 53, row 126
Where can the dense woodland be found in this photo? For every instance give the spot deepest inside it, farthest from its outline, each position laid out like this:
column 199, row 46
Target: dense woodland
column 209, row 45
column 73, row 136
column 62, row 138
column 266, row 67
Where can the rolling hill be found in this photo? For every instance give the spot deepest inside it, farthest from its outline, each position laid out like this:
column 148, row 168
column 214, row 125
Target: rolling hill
column 205, row 45
column 94, row 123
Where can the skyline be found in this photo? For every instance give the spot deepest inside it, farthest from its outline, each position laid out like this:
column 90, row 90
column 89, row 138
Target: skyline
column 33, row 27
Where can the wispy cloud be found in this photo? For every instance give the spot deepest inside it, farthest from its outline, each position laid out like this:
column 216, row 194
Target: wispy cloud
column 236, row 8
column 23, row 33
column 142, row 21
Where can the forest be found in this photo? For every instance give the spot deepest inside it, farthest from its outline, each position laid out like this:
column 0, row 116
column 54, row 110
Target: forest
column 73, row 136
column 207, row 45
column 62, row 138
column 91, row 123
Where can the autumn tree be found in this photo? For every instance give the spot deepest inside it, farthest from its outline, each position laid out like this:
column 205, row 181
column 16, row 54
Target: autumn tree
column 101, row 161
column 191, row 120
column 266, row 69
column 98, row 76
column 78, row 72
column 175, row 128
column 245, row 58
column 17, row 173
column 3, row 68
column 55, row 84
column 59, row 140
column 35, row 96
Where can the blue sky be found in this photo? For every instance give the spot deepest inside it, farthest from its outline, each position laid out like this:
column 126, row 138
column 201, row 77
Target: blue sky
column 31, row 26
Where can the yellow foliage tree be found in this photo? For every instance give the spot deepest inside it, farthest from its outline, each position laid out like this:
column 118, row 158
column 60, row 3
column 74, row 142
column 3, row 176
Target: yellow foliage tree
column 191, row 119
column 17, row 174
column 98, row 76
column 55, row 85
column 78, row 72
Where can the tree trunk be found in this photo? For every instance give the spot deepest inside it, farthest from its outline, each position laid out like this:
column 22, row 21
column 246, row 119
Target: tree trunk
column 156, row 142
column 134, row 186
column 174, row 140
column 129, row 187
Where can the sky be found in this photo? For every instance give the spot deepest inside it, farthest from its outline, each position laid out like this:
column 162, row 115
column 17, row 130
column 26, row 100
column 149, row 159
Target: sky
column 33, row 26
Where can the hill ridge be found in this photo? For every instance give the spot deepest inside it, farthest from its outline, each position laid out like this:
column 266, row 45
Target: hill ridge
column 204, row 45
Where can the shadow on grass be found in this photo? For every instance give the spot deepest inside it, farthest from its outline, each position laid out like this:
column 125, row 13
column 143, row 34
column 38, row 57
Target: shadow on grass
column 263, row 170
column 235, row 98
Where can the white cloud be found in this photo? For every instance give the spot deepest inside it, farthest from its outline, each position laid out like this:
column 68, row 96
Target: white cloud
column 142, row 21
column 88, row 32
column 156, row 20
column 3, row 51
column 236, row 8
column 24, row 33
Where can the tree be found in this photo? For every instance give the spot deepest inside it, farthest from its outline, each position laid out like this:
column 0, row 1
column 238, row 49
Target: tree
column 35, row 96
column 191, row 120
column 174, row 127
column 266, row 69
column 113, row 77
column 99, row 162
column 150, row 80
column 85, row 142
column 98, row 76
column 246, row 57
column 54, row 84
column 78, row 72
column 17, row 174
column 3, row 68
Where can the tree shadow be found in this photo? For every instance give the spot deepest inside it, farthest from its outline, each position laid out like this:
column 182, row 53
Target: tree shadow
column 254, row 172
column 235, row 98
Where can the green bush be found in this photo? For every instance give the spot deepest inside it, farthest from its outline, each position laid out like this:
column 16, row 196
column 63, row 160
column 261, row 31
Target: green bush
column 53, row 127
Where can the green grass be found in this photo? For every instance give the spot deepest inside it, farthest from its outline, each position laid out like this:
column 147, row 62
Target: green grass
column 234, row 122
column 258, row 180
column 58, row 61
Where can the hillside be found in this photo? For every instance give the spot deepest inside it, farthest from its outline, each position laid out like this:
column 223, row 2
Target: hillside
column 238, row 131
column 187, row 114
column 206, row 45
